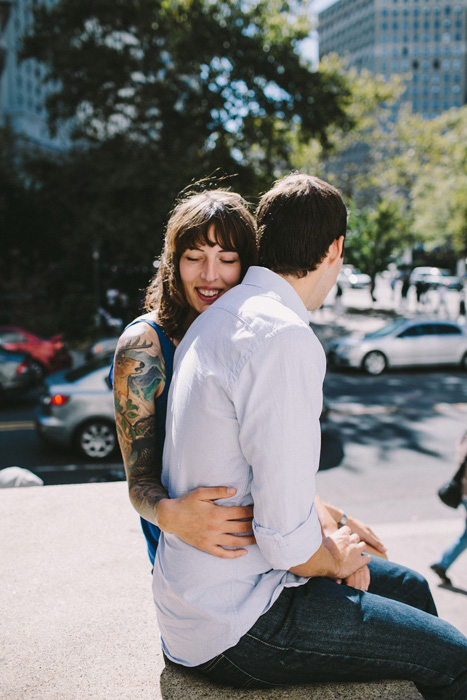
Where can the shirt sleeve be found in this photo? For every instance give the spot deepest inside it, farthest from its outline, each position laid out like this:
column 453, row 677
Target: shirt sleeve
column 278, row 399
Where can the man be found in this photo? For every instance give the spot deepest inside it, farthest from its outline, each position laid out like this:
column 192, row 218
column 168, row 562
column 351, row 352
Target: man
column 244, row 410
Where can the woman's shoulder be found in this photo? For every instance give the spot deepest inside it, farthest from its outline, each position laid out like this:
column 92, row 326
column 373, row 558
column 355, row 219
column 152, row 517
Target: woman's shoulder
column 140, row 332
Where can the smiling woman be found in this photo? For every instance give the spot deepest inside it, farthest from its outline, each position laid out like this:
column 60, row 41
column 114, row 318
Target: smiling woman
column 208, row 271
column 209, row 245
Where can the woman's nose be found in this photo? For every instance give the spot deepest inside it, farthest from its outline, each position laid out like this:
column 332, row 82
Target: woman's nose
column 210, row 271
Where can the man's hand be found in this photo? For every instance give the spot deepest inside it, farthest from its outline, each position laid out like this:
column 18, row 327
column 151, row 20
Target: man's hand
column 347, row 551
column 204, row 525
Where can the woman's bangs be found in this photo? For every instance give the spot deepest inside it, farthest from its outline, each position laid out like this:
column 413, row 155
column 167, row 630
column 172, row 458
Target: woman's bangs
column 225, row 236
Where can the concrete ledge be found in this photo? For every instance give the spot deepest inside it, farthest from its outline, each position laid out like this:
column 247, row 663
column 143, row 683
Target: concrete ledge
column 77, row 614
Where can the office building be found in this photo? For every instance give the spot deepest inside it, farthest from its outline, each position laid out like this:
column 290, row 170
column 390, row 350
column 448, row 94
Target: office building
column 423, row 40
column 23, row 89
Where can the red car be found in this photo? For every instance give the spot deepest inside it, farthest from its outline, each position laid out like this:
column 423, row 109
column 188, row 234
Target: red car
column 46, row 355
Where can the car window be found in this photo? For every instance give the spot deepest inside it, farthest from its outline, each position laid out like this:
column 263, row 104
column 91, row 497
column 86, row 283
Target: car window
column 445, row 329
column 413, row 331
column 11, row 337
column 79, row 372
column 385, row 330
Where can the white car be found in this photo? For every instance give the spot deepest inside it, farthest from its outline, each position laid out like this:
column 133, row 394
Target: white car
column 403, row 343
column 435, row 277
column 349, row 276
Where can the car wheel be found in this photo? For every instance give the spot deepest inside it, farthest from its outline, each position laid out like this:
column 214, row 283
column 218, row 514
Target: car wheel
column 96, row 439
column 37, row 371
column 464, row 362
column 374, row 362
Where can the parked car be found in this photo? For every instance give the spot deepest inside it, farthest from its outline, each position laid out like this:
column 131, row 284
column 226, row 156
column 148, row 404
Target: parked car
column 77, row 410
column 435, row 277
column 105, row 346
column 403, row 343
column 46, row 355
column 349, row 276
column 15, row 371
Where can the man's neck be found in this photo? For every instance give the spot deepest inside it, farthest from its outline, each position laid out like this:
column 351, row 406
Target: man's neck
column 305, row 287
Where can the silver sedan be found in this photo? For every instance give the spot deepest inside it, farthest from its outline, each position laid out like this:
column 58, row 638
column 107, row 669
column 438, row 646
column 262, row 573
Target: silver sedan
column 403, row 343
column 77, row 410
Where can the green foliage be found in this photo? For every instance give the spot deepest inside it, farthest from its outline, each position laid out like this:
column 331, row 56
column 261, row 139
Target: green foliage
column 428, row 166
column 349, row 156
column 159, row 94
column 376, row 236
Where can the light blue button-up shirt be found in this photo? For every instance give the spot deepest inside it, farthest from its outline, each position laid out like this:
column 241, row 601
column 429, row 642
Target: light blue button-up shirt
column 243, row 411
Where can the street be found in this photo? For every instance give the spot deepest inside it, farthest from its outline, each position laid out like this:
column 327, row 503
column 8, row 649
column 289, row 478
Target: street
column 405, row 421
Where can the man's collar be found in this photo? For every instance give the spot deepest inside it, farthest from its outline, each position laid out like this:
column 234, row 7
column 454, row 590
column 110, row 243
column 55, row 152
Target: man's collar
column 277, row 286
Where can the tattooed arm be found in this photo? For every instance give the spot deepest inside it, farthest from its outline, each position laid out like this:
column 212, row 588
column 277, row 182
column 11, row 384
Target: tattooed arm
column 139, row 378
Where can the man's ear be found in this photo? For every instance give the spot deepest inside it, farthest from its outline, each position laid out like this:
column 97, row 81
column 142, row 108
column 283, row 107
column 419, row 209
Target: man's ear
column 336, row 249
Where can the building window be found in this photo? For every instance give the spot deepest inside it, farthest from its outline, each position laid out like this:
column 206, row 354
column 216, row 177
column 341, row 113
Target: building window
column 415, row 106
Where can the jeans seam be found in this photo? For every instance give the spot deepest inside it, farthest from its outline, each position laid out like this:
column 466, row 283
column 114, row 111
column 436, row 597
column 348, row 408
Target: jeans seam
column 250, row 677
column 212, row 664
column 402, row 664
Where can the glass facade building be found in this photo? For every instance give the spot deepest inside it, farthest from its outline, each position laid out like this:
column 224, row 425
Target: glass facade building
column 423, row 40
column 23, row 85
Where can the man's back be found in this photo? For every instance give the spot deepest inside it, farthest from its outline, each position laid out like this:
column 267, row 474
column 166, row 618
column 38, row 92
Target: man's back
column 243, row 411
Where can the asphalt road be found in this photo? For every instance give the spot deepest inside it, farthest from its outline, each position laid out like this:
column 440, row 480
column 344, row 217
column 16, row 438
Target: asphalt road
column 374, row 424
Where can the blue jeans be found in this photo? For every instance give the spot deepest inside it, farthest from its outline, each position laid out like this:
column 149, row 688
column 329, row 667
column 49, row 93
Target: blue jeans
column 457, row 547
column 323, row 631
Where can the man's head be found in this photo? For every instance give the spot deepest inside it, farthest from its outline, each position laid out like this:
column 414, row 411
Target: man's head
column 298, row 220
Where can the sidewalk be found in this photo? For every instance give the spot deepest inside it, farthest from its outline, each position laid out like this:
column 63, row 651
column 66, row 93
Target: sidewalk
column 77, row 614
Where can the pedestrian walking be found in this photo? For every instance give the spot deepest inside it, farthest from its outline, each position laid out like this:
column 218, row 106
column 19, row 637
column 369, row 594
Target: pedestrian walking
column 459, row 545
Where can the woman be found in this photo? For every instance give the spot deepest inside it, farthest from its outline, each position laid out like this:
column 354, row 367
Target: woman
column 210, row 243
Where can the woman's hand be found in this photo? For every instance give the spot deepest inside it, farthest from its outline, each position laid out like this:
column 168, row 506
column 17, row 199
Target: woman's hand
column 360, row 579
column 366, row 534
column 204, row 525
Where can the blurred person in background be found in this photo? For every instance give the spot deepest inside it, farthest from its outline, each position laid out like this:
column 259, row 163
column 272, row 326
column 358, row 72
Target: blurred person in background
column 459, row 545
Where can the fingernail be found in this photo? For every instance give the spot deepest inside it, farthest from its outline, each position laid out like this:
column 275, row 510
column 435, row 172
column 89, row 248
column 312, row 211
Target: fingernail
column 231, row 491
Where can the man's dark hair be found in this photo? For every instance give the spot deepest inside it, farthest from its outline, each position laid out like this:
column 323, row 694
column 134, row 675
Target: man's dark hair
column 298, row 219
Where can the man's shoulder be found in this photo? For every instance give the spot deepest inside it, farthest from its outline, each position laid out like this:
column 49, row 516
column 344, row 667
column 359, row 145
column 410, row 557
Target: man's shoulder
column 260, row 310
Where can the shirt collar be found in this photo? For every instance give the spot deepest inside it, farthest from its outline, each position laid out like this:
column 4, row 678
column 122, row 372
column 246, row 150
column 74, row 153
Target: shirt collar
column 275, row 285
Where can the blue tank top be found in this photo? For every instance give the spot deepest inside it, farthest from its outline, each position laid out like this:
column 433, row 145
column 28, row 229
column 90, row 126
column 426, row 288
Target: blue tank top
column 152, row 532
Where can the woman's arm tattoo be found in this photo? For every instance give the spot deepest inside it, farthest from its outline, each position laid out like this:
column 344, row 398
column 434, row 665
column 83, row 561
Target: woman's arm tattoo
column 139, row 371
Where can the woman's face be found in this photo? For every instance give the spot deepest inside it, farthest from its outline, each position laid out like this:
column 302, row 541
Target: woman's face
column 207, row 272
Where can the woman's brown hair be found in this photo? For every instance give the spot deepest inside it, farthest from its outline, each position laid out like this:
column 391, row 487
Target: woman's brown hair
column 188, row 227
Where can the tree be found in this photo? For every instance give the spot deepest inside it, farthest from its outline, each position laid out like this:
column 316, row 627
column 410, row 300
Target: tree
column 428, row 167
column 349, row 157
column 160, row 93
column 376, row 236
column 204, row 84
